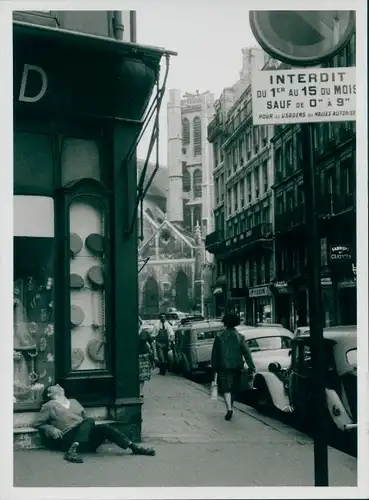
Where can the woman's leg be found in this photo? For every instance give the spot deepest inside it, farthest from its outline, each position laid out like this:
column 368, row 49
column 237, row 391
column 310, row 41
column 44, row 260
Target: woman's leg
column 141, row 388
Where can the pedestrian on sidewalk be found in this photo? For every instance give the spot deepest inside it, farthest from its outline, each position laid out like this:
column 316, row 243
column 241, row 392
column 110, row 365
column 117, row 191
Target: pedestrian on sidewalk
column 164, row 338
column 145, row 356
column 65, row 427
column 229, row 349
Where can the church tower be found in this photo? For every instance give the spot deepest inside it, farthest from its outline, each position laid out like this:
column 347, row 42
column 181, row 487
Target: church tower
column 175, row 203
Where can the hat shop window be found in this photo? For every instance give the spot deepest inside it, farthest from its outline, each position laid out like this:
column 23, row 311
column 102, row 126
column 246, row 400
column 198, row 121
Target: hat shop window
column 87, row 256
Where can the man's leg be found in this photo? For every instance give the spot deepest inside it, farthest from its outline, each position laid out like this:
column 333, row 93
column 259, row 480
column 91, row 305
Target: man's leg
column 105, row 432
column 161, row 358
column 80, row 435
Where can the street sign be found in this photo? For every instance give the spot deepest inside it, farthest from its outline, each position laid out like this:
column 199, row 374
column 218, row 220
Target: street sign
column 304, row 95
column 302, row 37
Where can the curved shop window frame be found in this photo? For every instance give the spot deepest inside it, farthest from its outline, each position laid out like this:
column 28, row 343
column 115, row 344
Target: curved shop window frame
column 70, row 377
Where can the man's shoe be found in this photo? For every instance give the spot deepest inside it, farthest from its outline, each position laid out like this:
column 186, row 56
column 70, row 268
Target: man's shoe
column 140, row 450
column 72, row 456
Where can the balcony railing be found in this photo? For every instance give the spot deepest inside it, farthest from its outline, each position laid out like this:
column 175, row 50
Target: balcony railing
column 330, row 205
column 213, row 126
column 290, row 219
column 215, row 242
column 214, row 238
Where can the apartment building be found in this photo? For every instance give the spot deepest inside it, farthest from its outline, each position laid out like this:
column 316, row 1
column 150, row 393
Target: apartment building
column 334, row 157
column 243, row 238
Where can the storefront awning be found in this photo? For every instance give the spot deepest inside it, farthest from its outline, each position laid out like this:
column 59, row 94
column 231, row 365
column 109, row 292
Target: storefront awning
column 217, row 291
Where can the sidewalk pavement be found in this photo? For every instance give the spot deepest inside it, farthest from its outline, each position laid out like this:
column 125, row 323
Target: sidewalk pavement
column 195, row 447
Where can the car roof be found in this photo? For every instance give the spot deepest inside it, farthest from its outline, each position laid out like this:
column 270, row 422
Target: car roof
column 336, row 333
column 201, row 324
column 252, row 332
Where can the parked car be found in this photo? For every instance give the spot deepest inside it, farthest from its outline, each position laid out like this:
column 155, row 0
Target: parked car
column 291, row 389
column 193, row 345
column 267, row 343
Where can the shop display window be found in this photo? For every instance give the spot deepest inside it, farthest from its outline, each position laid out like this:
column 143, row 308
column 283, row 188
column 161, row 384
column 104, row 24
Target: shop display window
column 33, row 311
column 87, row 283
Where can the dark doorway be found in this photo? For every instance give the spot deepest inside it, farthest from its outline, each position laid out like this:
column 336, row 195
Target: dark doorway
column 181, row 287
column 150, row 303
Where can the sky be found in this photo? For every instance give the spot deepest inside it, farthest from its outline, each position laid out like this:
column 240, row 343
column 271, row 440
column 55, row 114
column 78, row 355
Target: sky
column 208, row 36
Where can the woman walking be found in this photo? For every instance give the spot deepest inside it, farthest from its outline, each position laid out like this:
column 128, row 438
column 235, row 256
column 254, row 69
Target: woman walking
column 145, row 357
column 229, row 349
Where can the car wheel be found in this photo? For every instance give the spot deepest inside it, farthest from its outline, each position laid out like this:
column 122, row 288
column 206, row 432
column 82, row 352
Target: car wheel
column 263, row 402
column 185, row 365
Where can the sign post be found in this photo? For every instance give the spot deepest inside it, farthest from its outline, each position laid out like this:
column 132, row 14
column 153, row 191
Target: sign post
column 306, row 38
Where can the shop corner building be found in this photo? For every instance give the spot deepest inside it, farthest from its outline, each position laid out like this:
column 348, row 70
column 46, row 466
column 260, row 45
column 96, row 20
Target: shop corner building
column 80, row 93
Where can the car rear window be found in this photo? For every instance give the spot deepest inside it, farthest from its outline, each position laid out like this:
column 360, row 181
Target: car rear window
column 268, row 343
column 351, row 356
column 200, row 335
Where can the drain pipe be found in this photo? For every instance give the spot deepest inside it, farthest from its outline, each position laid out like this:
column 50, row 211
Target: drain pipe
column 118, row 27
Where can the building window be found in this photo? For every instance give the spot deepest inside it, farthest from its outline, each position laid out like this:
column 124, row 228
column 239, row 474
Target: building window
column 257, row 182
column 197, row 136
column 255, row 138
column 83, row 153
column 222, row 186
column 186, row 181
column 215, row 154
column 197, row 183
column 33, row 161
column 289, row 200
column 247, row 273
column 234, row 276
column 264, row 134
column 300, row 194
column 235, row 200
column 242, row 192
column 262, row 270
column 279, row 208
column 185, row 132
column 265, row 176
column 278, row 164
column 33, row 311
column 248, row 145
column 266, row 214
column 257, row 217
column 323, row 252
column 235, row 159
column 289, row 157
column 249, row 191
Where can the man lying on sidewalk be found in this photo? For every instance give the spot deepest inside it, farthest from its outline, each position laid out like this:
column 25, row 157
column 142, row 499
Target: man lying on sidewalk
column 64, row 424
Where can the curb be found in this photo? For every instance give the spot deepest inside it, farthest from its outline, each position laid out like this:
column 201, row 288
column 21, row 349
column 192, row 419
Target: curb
column 276, row 425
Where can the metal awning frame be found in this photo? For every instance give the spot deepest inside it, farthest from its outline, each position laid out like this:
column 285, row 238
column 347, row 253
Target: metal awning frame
column 153, row 109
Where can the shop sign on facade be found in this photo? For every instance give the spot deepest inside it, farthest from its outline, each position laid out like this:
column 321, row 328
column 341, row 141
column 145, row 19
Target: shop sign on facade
column 304, row 95
column 339, row 253
column 281, row 286
column 260, row 291
column 347, row 284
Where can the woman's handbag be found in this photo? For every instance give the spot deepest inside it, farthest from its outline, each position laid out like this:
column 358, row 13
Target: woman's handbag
column 214, row 388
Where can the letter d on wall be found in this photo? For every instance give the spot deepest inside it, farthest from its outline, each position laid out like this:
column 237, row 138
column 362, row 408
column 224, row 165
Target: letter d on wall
column 22, row 92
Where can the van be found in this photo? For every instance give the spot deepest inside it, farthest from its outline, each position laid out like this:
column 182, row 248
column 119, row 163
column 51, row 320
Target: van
column 193, row 345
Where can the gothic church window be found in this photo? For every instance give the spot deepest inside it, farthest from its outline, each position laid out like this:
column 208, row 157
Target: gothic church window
column 197, row 136
column 185, row 132
column 197, row 183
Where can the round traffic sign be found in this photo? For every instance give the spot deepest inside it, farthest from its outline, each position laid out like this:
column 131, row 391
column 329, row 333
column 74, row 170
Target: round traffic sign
column 301, row 37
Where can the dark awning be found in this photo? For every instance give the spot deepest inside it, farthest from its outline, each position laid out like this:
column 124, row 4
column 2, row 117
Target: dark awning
column 85, row 75
column 92, row 42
